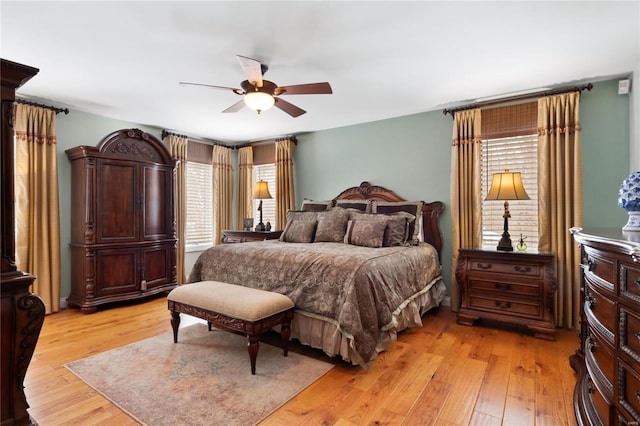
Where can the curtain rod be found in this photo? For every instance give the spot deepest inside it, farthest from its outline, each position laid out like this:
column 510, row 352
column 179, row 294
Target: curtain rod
column 553, row 92
column 166, row 133
column 57, row 110
column 268, row 141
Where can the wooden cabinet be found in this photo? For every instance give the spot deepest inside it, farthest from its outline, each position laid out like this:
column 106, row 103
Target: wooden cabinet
column 507, row 286
column 231, row 236
column 123, row 240
column 608, row 358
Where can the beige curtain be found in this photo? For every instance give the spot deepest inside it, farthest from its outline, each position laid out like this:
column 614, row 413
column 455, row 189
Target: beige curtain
column 178, row 147
column 37, row 204
column 286, row 199
column 560, row 199
column 466, row 193
column 222, row 192
column 245, row 185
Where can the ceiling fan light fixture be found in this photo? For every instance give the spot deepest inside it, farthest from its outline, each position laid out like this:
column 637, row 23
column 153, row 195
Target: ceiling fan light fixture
column 259, row 101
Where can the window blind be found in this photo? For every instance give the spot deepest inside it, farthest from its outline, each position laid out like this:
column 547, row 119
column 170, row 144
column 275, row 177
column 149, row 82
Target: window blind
column 199, row 229
column 266, row 172
column 517, row 154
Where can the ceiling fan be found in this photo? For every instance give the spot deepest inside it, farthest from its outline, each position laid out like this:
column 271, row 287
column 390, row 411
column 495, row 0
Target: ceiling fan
column 260, row 95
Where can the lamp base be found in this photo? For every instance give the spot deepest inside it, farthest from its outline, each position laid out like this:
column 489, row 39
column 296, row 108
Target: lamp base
column 505, row 243
column 260, row 227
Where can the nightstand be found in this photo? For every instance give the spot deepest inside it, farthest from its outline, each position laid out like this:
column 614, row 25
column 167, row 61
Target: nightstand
column 233, row 236
column 512, row 287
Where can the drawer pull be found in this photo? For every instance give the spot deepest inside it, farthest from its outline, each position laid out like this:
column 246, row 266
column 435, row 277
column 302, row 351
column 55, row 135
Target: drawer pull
column 592, row 302
column 503, row 305
column 638, row 283
column 590, row 387
column 638, row 396
column 522, row 269
column 484, row 266
column 591, row 345
column 638, row 336
column 501, row 286
column 589, row 265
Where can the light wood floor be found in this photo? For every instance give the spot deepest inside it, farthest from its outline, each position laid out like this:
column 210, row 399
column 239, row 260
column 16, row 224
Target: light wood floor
column 440, row 374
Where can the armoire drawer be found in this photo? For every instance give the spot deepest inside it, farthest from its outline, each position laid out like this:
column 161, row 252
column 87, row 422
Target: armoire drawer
column 602, row 310
column 629, row 389
column 601, row 264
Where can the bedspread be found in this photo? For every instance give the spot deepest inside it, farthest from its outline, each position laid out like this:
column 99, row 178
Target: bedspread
column 360, row 288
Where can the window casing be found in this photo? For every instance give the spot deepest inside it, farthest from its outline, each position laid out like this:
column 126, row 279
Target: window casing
column 266, row 172
column 517, row 154
column 199, row 228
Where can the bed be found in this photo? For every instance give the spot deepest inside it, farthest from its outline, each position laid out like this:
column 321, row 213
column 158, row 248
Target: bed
column 354, row 287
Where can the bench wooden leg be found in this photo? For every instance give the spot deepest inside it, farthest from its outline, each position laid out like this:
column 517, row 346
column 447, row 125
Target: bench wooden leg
column 253, row 347
column 285, row 332
column 175, row 324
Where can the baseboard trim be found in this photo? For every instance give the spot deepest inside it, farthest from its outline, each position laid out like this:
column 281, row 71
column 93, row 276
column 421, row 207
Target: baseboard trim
column 446, row 301
column 63, row 304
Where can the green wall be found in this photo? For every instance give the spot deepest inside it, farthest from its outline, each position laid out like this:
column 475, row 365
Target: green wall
column 410, row 155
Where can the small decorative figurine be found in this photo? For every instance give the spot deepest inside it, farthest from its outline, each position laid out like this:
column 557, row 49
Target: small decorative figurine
column 522, row 246
column 268, row 226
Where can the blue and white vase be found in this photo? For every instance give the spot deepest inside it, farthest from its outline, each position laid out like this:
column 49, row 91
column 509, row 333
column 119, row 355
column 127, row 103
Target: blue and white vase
column 629, row 199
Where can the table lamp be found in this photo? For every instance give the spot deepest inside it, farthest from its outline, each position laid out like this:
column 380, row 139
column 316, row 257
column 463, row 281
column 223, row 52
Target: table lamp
column 506, row 186
column 261, row 192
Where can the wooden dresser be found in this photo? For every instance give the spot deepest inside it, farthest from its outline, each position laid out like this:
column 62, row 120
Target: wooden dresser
column 233, row 236
column 608, row 359
column 507, row 286
column 123, row 229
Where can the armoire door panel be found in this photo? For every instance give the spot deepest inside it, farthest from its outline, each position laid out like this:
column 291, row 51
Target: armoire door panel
column 118, row 271
column 157, row 265
column 117, row 201
column 157, row 187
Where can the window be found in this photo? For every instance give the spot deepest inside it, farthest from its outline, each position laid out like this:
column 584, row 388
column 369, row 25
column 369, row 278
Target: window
column 266, row 172
column 199, row 229
column 518, row 154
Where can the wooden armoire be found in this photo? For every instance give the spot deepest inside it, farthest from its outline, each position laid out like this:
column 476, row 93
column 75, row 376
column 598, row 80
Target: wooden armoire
column 123, row 231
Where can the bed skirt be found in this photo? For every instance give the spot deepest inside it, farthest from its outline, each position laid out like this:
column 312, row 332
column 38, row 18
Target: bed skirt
column 323, row 333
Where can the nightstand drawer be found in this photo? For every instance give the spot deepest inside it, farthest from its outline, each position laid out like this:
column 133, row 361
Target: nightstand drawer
column 506, row 306
column 506, row 289
column 511, row 268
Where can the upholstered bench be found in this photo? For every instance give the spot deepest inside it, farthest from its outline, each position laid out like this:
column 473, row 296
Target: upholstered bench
column 242, row 309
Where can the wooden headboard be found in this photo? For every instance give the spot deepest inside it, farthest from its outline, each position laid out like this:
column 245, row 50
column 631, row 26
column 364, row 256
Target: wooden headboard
column 430, row 211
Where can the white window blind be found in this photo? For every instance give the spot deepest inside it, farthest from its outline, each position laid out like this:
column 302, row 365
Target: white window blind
column 266, row 172
column 199, row 229
column 517, row 154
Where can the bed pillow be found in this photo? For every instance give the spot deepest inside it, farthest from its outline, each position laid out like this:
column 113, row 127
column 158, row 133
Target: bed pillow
column 302, row 215
column 361, row 205
column 412, row 207
column 316, row 206
column 332, row 225
column 365, row 233
column 299, row 231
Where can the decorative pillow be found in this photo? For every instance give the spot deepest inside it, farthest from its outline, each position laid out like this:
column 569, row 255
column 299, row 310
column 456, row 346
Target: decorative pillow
column 332, row 225
column 302, row 216
column 298, row 231
column 365, row 233
column 362, row 205
column 316, row 206
column 397, row 231
column 411, row 207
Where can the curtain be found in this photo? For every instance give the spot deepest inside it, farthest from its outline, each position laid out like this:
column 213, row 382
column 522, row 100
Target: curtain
column 466, row 193
column 37, row 203
column 245, row 185
column 285, row 199
column 560, row 198
column 178, row 147
column 222, row 192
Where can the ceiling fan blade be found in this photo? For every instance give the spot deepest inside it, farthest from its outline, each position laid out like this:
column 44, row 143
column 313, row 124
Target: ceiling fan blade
column 289, row 108
column 235, row 107
column 305, row 89
column 252, row 69
column 238, row 91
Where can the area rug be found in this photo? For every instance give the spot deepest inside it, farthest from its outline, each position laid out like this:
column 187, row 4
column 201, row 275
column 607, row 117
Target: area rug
column 204, row 379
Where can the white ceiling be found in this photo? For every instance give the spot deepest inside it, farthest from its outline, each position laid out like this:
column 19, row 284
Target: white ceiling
column 383, row 59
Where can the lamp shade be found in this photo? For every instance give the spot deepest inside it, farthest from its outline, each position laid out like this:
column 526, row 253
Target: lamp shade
column 507, row 186
column 261, row 191
column 259, row 101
